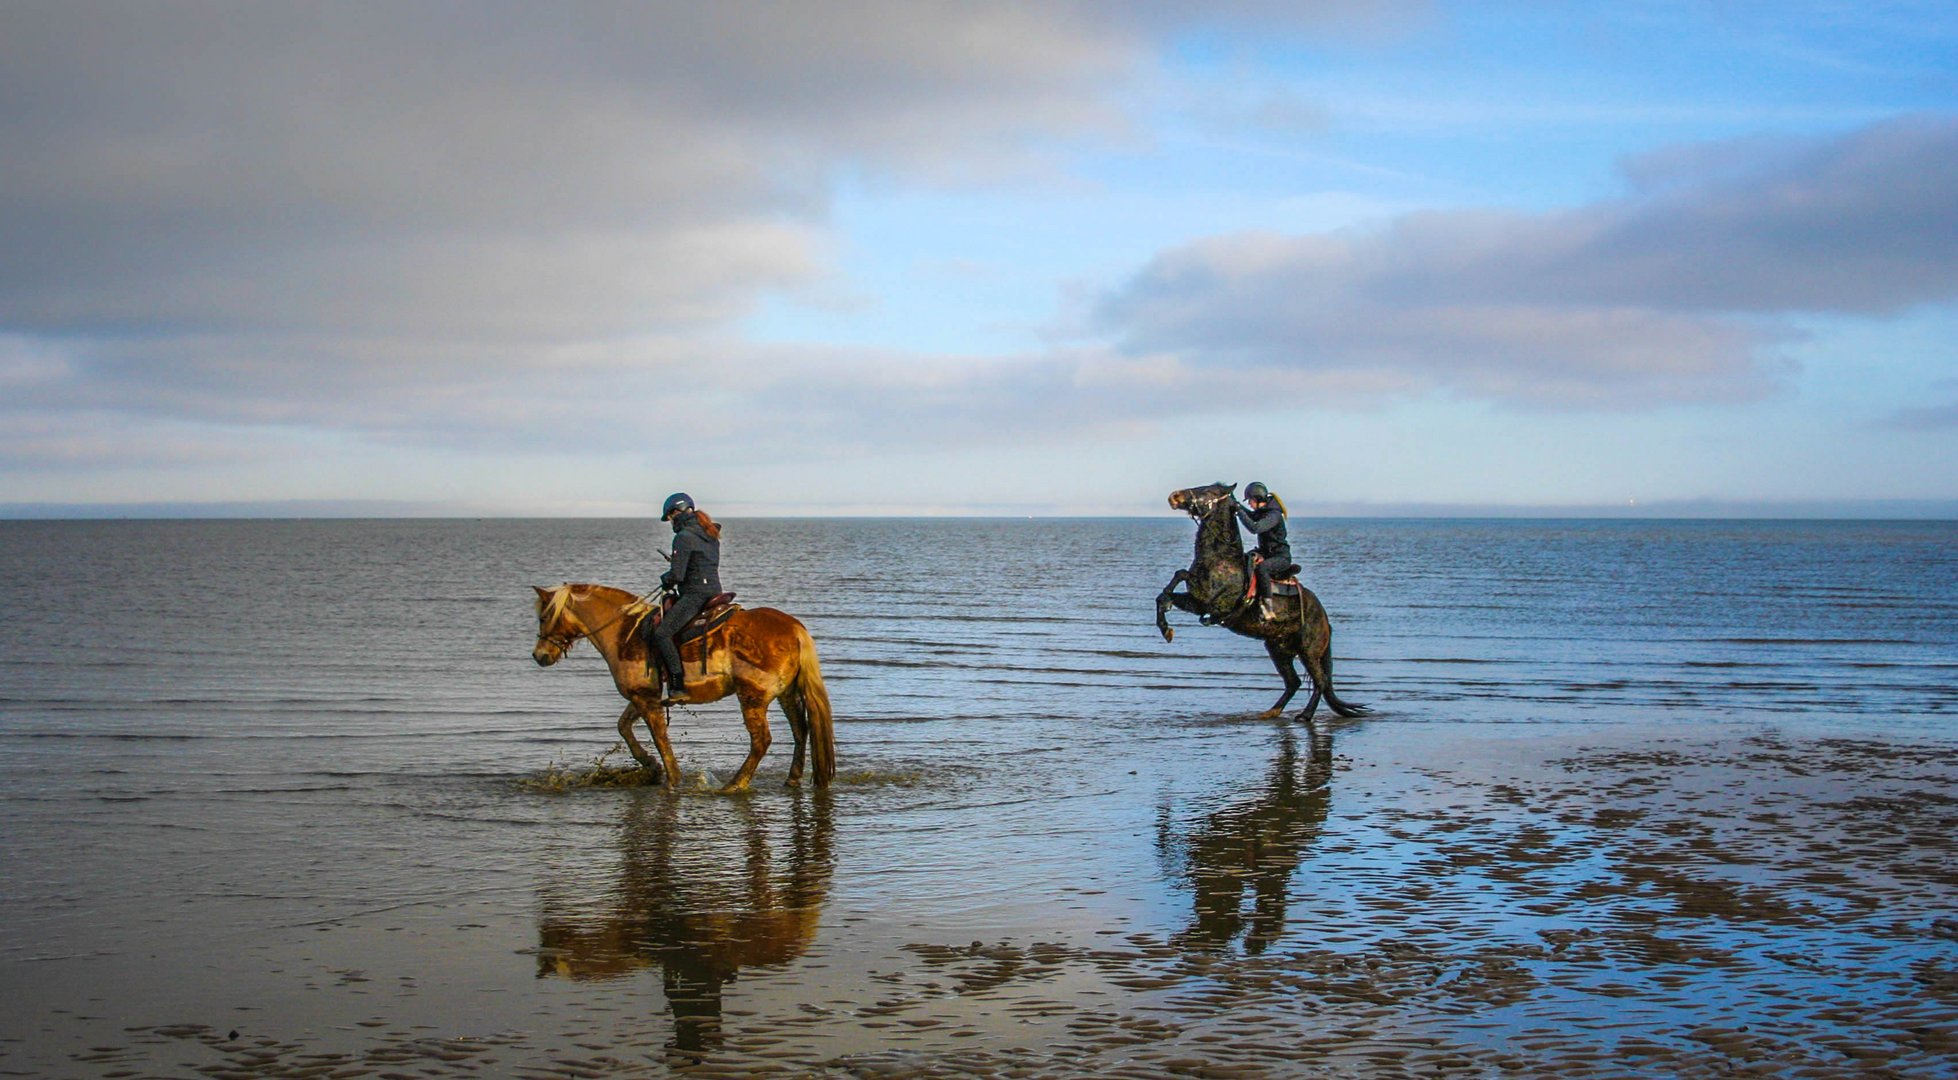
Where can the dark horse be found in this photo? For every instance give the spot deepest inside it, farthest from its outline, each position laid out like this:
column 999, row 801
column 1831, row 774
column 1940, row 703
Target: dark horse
column 1292, row 627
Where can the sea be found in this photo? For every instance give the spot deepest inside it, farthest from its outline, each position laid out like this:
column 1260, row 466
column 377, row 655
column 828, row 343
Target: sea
column 276, row 798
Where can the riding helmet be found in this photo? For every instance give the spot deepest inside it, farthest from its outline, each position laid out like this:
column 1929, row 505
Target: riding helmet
column 675, row 503
column 1256, row 490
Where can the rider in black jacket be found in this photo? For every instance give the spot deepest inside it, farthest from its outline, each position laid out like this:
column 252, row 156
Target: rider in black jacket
column 695, row 575
column 1265, row 517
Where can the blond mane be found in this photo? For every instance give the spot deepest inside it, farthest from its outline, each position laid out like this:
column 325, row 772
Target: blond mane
column 557, row 607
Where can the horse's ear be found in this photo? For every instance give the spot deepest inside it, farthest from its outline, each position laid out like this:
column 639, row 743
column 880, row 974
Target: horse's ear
column 1232, row 485
column 541, row 591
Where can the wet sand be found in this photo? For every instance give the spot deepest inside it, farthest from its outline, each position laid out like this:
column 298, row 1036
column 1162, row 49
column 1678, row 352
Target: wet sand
column 1368, row 898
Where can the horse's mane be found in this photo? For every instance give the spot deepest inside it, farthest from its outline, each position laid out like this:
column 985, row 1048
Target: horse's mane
column 578, row 590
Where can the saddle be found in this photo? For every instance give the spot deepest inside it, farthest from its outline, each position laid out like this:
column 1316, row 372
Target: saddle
column 1288, row 585
column 718, row 610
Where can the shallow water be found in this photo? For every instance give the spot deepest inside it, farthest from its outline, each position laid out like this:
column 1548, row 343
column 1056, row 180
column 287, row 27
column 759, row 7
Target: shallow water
column 1661, row 798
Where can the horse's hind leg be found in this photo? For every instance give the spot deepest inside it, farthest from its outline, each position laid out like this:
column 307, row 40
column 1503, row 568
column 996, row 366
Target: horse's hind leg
column 754, row 714
column 1312, row 703
column 627, row 720
column 1281, row 658
column 1319, row 664
column 791, row 702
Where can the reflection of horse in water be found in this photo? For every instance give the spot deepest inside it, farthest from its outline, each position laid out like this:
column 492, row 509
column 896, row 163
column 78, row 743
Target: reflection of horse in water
column 683, row 902
column 1256, row 843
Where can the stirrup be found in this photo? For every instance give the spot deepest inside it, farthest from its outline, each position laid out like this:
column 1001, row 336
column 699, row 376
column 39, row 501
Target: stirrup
column 673, row 691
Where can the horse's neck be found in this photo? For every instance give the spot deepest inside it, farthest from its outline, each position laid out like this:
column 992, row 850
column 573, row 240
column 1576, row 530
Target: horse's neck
column 599, row 610
column 1217, row 539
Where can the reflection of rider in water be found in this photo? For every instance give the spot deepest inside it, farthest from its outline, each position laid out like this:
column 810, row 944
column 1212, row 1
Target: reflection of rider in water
column 695, row 574
column 1264, row 515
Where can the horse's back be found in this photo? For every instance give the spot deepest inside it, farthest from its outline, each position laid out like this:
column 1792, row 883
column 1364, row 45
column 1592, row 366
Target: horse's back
column 768, row 620
column 768, row 638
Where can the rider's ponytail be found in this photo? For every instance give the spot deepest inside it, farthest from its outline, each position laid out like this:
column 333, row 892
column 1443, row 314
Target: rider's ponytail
column 1281, row 505
column 708, row 525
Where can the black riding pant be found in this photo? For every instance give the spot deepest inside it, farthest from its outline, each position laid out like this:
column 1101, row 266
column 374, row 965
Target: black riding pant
column 676, row 619
column 1278, row 564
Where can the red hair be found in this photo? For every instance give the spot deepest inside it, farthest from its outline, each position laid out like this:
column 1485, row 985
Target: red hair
column 708, row 525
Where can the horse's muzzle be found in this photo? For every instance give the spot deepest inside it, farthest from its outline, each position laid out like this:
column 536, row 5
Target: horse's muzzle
column 545, row 655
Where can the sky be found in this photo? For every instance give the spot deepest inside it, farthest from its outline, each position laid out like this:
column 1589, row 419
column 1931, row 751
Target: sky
column 914, row 257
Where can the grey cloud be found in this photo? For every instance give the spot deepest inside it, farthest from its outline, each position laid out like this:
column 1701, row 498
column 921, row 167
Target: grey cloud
column 414, row 166
column 88, row 440
column 720, row 401
column 1927, row 417
column 470, row 224
column 418, row 167
column 1679, row 291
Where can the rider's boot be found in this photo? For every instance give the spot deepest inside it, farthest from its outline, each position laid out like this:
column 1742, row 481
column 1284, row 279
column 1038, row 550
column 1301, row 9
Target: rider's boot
column 676, row 690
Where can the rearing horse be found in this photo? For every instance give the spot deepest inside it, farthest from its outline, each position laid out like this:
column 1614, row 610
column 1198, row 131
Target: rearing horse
column 759, row 655
column 1292, row 629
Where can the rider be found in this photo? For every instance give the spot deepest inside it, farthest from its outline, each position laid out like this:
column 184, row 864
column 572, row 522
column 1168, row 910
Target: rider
column 695, row 575
column 1266, row 520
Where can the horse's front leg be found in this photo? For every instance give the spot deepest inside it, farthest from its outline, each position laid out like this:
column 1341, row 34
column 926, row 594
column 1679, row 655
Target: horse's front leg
column 1166, row 598
column 655, row 715
column 754, row 714
column 627, row 720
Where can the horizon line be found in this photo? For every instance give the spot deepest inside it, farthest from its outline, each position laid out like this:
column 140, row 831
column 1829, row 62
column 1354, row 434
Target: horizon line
column 404, row 509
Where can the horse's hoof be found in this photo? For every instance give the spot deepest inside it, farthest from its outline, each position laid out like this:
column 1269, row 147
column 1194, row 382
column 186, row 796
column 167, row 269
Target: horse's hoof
column 1270, row 714
column 1169, row 634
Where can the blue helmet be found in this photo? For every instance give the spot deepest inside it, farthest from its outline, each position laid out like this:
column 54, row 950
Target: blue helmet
column 676, row 503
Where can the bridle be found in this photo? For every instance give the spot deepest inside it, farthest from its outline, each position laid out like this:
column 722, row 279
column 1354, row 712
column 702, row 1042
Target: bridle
column 1200, row 506
column 561, row 641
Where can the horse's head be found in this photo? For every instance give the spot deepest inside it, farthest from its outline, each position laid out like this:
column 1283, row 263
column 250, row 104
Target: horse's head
column 1198, row 502
column 557, row 628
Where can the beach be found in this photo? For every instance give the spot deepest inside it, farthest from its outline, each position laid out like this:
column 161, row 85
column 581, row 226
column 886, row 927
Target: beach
column 1572, row 839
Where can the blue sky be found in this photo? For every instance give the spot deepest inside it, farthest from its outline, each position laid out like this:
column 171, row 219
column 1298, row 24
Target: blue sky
column 957, row 258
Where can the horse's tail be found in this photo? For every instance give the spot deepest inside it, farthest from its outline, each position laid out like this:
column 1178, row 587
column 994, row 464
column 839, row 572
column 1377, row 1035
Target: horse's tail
column 815, row 706
column 1317, row 651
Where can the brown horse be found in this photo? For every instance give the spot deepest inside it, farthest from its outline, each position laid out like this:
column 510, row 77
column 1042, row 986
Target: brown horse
column 759, row 655
column 1292, row 628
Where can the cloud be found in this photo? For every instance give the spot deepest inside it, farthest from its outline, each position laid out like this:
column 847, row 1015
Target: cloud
column 1681, row 290
column 1927, row 417
column 493, row 169
column 494, row 225
column 504, row 168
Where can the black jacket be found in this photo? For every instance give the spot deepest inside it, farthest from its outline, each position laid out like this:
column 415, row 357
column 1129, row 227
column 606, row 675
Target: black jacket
column 696, row 559
column 1268, row 525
